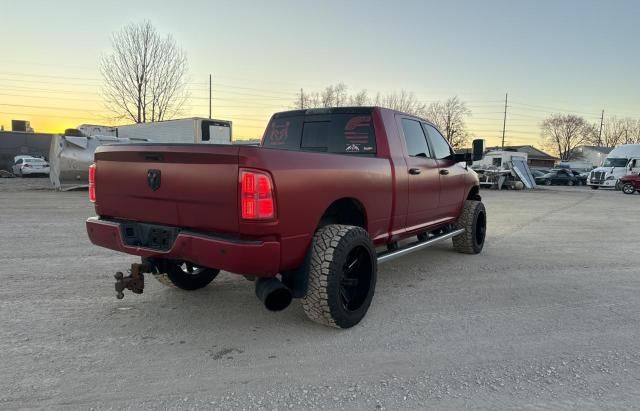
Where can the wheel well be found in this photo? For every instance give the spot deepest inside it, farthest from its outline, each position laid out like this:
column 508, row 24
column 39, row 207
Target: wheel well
column 348, row 211
column 474, row 194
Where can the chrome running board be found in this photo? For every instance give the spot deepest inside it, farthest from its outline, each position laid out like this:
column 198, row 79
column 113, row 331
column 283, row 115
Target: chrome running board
column 415, row 246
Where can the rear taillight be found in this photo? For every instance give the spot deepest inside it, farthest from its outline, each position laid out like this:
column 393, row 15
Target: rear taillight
column 256, row 195
column 92, row 183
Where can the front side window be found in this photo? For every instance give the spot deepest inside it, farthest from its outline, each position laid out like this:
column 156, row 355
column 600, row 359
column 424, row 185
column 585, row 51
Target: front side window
column 416, row 140
column 441, row 148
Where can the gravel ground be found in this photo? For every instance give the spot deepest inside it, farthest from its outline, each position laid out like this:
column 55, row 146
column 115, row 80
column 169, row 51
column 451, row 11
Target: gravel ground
column 546, row 317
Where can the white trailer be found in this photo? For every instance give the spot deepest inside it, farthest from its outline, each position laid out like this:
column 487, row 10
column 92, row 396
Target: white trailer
column 188, row 130
column 621, row 161
column 498, row 159
column 500, row 168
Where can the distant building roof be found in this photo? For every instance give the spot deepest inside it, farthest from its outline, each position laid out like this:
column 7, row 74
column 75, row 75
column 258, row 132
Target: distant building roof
column 603, row 150
column 532, row 152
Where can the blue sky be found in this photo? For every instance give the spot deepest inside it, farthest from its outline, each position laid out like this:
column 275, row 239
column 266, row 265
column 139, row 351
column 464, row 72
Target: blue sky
column 569, row 56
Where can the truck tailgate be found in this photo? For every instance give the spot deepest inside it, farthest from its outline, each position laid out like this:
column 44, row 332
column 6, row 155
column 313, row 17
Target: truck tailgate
column 185, row 185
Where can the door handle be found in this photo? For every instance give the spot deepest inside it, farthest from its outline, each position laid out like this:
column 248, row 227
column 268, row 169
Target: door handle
column 444, row 172
column 414, row 171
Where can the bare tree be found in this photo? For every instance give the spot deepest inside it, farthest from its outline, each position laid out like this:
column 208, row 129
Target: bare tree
column 359, row 99
column 564, row 133
column 449, row 117
column 613, row 132
column 631, row 131
column 401, row 101
column 145, row 75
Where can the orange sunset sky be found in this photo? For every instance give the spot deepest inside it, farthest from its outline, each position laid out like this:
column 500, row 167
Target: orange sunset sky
column 550, row 57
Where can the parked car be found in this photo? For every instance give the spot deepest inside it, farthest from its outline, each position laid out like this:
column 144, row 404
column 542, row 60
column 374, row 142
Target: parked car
column 581, row 178
column 302, row 214
column 557, row 177
column 542, row 170
column 24, row 166
column 537, row 173
column 630, row 183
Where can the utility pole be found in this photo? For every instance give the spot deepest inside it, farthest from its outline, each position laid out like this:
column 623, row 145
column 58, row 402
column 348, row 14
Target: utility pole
column 600, row 132
column 504, row 122
column 301, row 99
column 209, row 95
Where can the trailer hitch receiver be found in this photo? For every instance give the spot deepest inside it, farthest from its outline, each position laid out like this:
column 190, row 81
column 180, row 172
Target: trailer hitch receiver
column 134, row 281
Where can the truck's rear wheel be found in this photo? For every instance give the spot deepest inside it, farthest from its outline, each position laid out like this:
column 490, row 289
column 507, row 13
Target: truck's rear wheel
column 184, row 275
column 342, row 276
column 474, row 222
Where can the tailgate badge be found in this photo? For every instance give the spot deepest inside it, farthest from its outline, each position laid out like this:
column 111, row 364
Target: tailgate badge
column 153, row 179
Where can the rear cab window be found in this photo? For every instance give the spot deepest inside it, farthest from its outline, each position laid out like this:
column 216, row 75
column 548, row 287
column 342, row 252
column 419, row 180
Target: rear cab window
column 336, row 130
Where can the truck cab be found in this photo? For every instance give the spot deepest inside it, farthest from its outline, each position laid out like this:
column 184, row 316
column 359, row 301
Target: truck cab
column 621, row 161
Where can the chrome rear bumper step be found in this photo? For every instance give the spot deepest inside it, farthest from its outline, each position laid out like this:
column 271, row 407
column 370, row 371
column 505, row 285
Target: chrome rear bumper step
column 415, row 246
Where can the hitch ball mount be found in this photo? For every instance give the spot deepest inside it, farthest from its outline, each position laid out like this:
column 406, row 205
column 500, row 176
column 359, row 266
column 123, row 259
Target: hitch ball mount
column 134, row 281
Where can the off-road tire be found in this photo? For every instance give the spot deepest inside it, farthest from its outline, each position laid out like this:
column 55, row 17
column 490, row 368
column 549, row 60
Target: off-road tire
column 173, row 275
column 628, row 188
column 324, row 301
column 474, row 222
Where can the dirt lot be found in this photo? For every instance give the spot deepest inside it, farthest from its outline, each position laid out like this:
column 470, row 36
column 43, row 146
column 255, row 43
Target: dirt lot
column 546, row 317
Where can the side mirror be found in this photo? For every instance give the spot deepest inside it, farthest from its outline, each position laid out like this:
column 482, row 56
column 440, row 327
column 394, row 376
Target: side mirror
column 477, row 153
column 477, row 149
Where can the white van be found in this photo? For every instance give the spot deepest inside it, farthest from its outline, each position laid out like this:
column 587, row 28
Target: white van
column 621, row 161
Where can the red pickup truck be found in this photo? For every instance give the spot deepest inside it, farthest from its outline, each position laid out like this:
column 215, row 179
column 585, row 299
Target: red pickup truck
column 309, row 214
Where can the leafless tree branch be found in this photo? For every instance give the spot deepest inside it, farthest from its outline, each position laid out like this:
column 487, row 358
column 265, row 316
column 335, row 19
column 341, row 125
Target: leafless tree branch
column 145, row 75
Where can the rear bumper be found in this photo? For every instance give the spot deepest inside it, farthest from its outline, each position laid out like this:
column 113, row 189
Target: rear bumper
column 258, row 258
column 30, row 171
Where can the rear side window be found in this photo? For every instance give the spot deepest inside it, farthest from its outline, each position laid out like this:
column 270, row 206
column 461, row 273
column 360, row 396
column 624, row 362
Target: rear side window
column 415, row 138
column 332, row 133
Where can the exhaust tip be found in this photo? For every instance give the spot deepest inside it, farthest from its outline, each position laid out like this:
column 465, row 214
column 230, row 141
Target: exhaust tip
column 274, row 295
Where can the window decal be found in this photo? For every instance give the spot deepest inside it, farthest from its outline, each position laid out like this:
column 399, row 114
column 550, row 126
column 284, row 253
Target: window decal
column 279, row 133
column 356, row 131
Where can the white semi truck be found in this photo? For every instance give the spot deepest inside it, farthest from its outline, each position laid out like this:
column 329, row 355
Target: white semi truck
column 621, row 161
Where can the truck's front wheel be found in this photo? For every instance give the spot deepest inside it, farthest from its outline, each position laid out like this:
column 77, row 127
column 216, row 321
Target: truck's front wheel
column 474, row 222
column 184, row 275
column 342, row 276
column 628, row 188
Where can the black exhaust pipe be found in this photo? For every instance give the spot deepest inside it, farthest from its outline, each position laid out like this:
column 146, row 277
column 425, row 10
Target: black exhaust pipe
column 273, row 294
